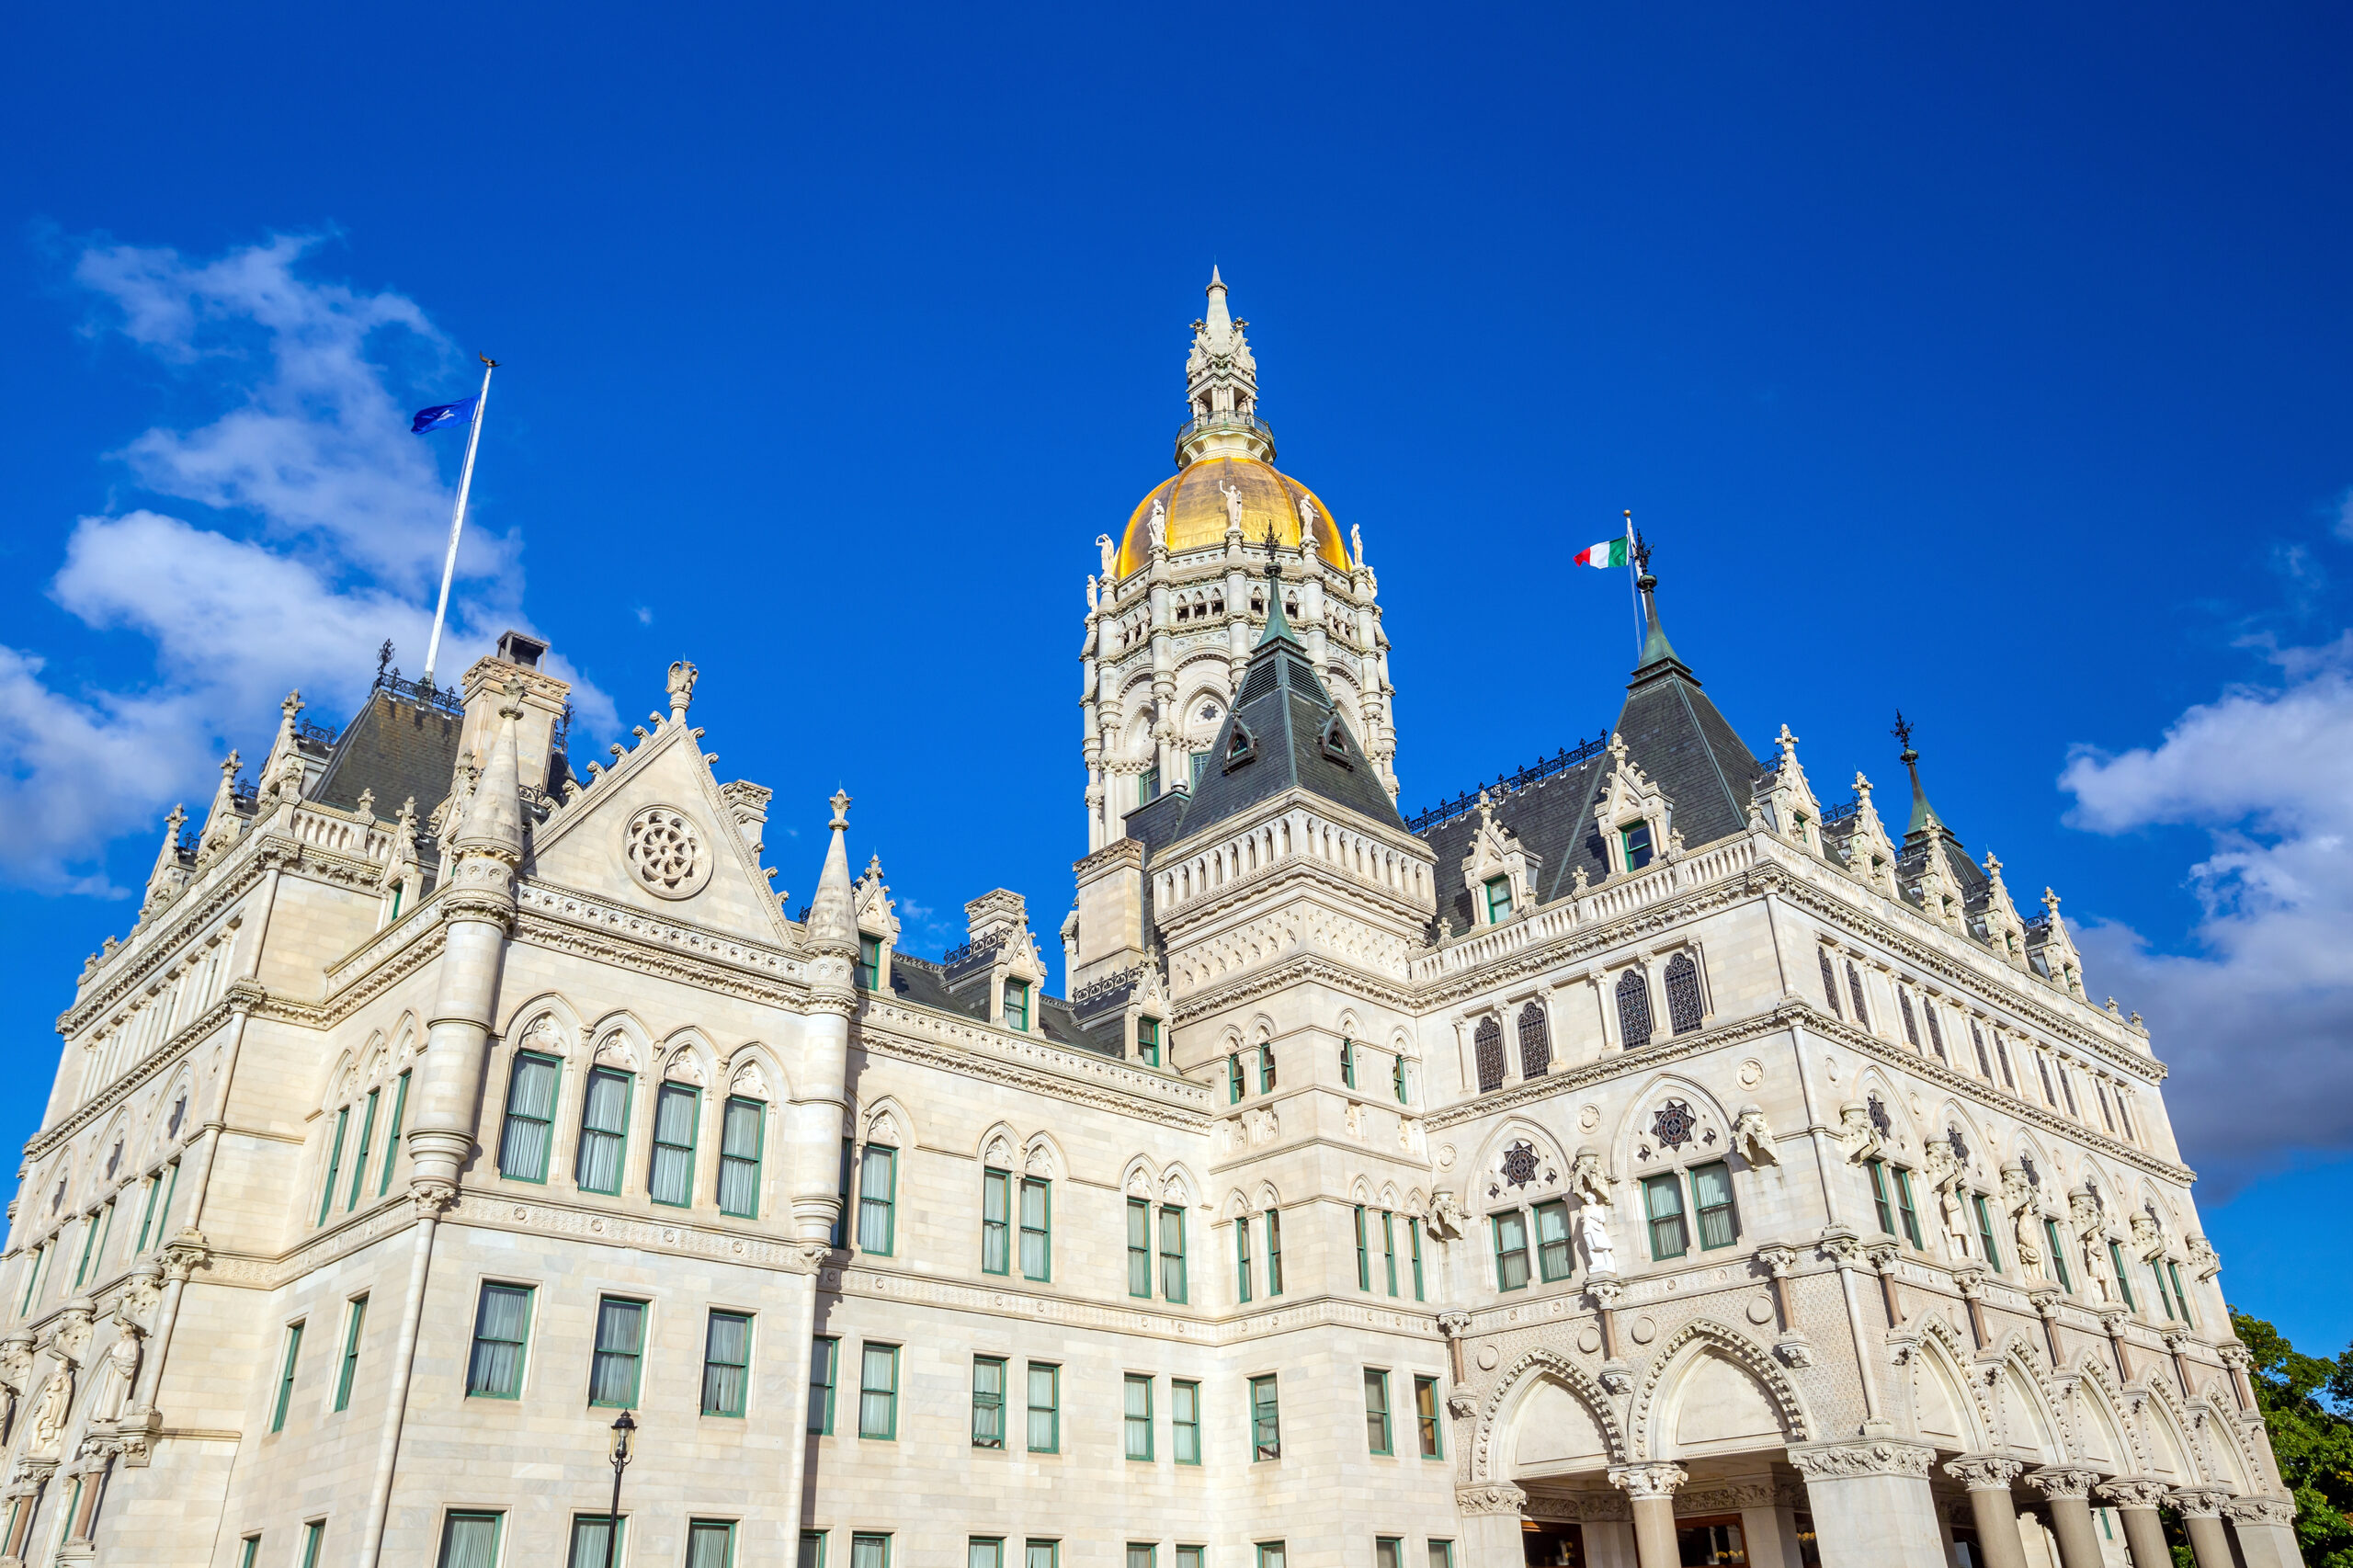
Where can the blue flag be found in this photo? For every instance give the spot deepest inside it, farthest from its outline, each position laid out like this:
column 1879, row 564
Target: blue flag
column 431, row 419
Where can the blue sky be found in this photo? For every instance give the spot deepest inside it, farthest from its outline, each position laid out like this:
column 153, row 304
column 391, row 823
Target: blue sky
column 1991, row 365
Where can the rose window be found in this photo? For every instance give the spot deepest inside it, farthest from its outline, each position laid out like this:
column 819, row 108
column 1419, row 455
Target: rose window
column 665, row 852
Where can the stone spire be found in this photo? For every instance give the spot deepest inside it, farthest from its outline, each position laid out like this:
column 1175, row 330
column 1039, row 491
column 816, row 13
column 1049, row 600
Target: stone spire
column 220, row 824
column 493, row 819
column 1925, row 817
column 833, row 914
column 167, row 878
column 1656, row 649
column 1222, row 384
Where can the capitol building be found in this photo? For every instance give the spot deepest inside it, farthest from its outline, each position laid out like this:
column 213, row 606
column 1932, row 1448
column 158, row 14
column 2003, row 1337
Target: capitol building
column 1660, row 1155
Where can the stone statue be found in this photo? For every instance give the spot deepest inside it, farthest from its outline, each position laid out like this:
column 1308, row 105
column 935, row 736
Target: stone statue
column 1753, row 1137
column 1446, row 1214
column 1232, row 506
column 1158, row 523
column 2091, row 1236
column 2017, row 1202
column 1858, row 1132
column 1593, row 1229
column 2148, row 1239
column 48, row 1415
column 1356, row 542
column 1950, row 1208
column 123, row 1357
column 682, row 686
column 1587, row 1180
column 1110, row 553
column 1306, row 526
column 1092, row 594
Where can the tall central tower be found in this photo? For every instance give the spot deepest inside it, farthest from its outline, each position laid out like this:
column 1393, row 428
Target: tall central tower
column 1183, row 596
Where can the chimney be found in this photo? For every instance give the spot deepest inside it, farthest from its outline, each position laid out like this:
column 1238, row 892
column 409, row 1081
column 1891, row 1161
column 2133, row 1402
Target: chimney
column 520, row 657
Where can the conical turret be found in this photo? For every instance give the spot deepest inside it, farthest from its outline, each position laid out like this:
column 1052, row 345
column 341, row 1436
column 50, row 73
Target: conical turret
column 166, row 878
column 833, row 924
column 493, row 819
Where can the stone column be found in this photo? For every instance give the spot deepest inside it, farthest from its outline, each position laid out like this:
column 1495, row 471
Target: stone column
column 2201, row 1520
column 2067, row 1492
column 1871, row 1502
column 820, row 1095
column 1651, row 1489
column 2266, row 1528
column 1490, row 1532
column 2145, row 1534
column 1989, row 1481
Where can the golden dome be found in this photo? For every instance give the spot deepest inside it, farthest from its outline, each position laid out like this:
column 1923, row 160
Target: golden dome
column 1196, row 503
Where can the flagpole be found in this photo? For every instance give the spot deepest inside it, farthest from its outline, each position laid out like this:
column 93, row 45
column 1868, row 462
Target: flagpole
column 458, row 518
column 1633, row 593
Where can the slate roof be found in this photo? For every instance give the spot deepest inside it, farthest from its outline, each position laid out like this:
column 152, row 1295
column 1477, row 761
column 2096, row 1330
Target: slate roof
column 398, row 747
column 925, row 983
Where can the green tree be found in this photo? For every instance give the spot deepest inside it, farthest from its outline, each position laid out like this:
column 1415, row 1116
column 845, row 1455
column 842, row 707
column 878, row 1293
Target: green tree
column 2308, row 1403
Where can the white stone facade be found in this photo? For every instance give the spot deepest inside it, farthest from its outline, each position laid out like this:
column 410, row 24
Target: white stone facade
column 347, row 1055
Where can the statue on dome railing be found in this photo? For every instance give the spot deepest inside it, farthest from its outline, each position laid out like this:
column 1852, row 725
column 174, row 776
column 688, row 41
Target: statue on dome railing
column 1306, row 525
column 1232, row 504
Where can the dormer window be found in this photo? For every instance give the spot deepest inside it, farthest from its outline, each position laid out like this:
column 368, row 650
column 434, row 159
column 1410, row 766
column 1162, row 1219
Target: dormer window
column 1016, row 1004
column 1635, row 840
column 869, row 962
column 1498, row 900
column 1335, row 743
column 1242, row 747
column 1800, row 827
column 1148, row 788
column 1148, row 1040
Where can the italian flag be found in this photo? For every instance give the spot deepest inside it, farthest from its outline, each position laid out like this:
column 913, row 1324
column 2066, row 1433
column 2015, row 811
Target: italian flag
column 1611, row 552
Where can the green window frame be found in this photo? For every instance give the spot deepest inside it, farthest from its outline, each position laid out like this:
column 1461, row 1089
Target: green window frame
column 1172, row 1283
column 1143, row 1554
column 877, row 1187
column 996, row 1221
column 1135, row 1419
column 360, row 1161
column 286, row 1378
column 1364, row 1255
column 1388, row 1551
column 147, row 1214
column 617, row 1362
column 1429, row 1432
column 1191, row 1556
column 1140, row 1248
column 528, row 1130
column 247, row 1550
column 1042, row 1555
column 589, row 1533
column 2181, row 1299
column 1273, row 1252
column 985, row 1551
column 824, row 1373
column 1148, row 1040
column 1555, row 1257
column 710, row 1543
column 1663, row 1207
column 392, row 1134
column 1271, row 1554
column 1378, row 1438
column 2123, row 1277
column 1016, row 1004
column 469, row 1539
column 1441, row 1554
column 812, row 1549
column 90, row 1243
column 1635, row 841
column 2165, row 1304
column 502, row 1342
column 1498, row 900
column 1148, row 785
column 1265, row 1420
column 1985, row 1233
column 1397, row 1076
column 1414, row 1240
column 164, row 1215
column 1185, row 1420
column 1389, row 1247
column 327, row 1193
column 602, row 1158
column 314, row 1534
column 1242, row 1258
column 1233, row 1079
column 32, row 1279
column 1905, row 1209
column 1877, row 1170
column 870, row 1549
column 1711, row 1201
column 355, row 1320
column 670, row 1169
column 726, row 1363
column 1347, row 1062
column 742, row 1134
column 878, row 1392
column 842, row 1208
column 988, row 1402
column 1266, row 1068
column 1037, row 1228
column 1510, row 1228
column 2058, row 1253
column 1042, row 1386
column 869, row 962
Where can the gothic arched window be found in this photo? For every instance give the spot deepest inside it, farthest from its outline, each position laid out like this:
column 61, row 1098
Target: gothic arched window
column 1633, row 1010
column 1535, row 1042
column 1683, row 1009
column 1829, row 983
column 1854, row 989
column 1487, row 1043
column 1911, row 1027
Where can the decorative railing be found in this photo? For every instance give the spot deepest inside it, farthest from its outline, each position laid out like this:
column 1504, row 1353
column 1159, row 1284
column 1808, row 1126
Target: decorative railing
column 446, row 699
column 1541, row 769
column 1224, row 421
column 1609, row 901
column 1842, row 811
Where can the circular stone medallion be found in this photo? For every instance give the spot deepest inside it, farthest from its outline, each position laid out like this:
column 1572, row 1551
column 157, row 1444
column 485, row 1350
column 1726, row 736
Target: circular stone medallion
column 1590, row 1341
column 1760, row 1310
column 664, row 851
column 1644, row 1331
column 1487, row 1358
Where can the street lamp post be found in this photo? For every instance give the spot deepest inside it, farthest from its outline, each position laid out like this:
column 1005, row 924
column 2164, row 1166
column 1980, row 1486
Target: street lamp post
column 624, row 1425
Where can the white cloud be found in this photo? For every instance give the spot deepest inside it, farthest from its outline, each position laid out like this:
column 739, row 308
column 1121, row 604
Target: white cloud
column 2343, row 528
column 2256, row 1023
column 331, row 520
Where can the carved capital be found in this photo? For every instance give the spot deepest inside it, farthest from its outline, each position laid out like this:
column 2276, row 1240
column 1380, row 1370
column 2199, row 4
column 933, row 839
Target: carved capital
column 1501, row 1498
column 806, row 1257
column 1969, row 1280
column 1616, row 1376
column 1605, row 1289
column 432, row 1199
column 1461, row 1407
column 2045, row 1299
column 1454, row 1325
column 2135, row 1493
column 2198, row 1502
column 1883, row 1255
column 1984, row 1473
column 1840, row 1245
column 1795, row 1349
column 2059, row 1480
column 2237, row 1357
column 2260, row 1511
column 1641, row 1481
column 1778, row 1260
column 1870, row 1456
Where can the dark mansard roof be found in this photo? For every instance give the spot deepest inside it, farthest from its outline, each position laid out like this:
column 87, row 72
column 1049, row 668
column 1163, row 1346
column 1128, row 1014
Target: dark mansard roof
column 399, row 746
column 926, row 984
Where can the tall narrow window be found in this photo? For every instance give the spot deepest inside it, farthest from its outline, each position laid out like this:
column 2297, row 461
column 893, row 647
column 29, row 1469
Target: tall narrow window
column 1855, row 994
column 1349, row 1063
column 869, row 962
column 1633, row 1010
column 1553, row 1257
column 2002, row 1050
column 841, row 1211
column 1906, row 1209
column 1148, row 1040
column 326, row 1195
column 147, row 1215
column 392, row 1135
column 1427, row 1432
column 726, row 1364
column 1172, row 1253
column 710, row 1543
column 1711, row 1197
column 1016, row 1004
column 1233, row 1078
column 1389, row 1248
column 1910, row 1024
column 1985, row 1232
column 621, row 1351
column 2181, row 1298
column 468, row 1539
column 742, row 1125
column 1397, row 1076
column 1185, row 1420
column 2122, row 1119
column 1242, row 1257
column 1829, row 984
column 1635, row 841
column 1663, row 1203
column 996, row 1221
column 591, row 1539
column 604, row 1130
column 1136, row 1421
column 1274, row 1252
column 2157, row 1271
column 2042, row 1067
column 1535, row 1041
column 32, row 1279
column 91, row 1229
column 523, row 1141
column 812, row 1549
column 1037, row 1228
column 878, row 1392
column 1266, row 1068
column 1977, row 1043
column 355, row 1316
column 1487, row 1051
column 1877, row 1170
column 2058, row 1253
column 878, row 1177
column 1376, row 1411
column 1683, row 1008
column 247, row 1550
column 1139, row 1248
column 988, row 1402
column 1441, row 1554
column 1364, row 1257
column 2107, row 1117
column 1511, row 1250
column 2123, row 1277
column 1045, row 1434
column 1414, row 1239
column 1498, row 900
column 286, row 1378
column 1388, row 1551
column 1265, row 1420
column 360, row 1161
column 670, row 1178
column 1936, row 1031
column 2067, row 1087
column 824, row 1373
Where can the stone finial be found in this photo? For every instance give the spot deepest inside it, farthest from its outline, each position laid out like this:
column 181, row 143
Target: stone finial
column 682, row 689
column 840, row 802
column 1786, row 743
